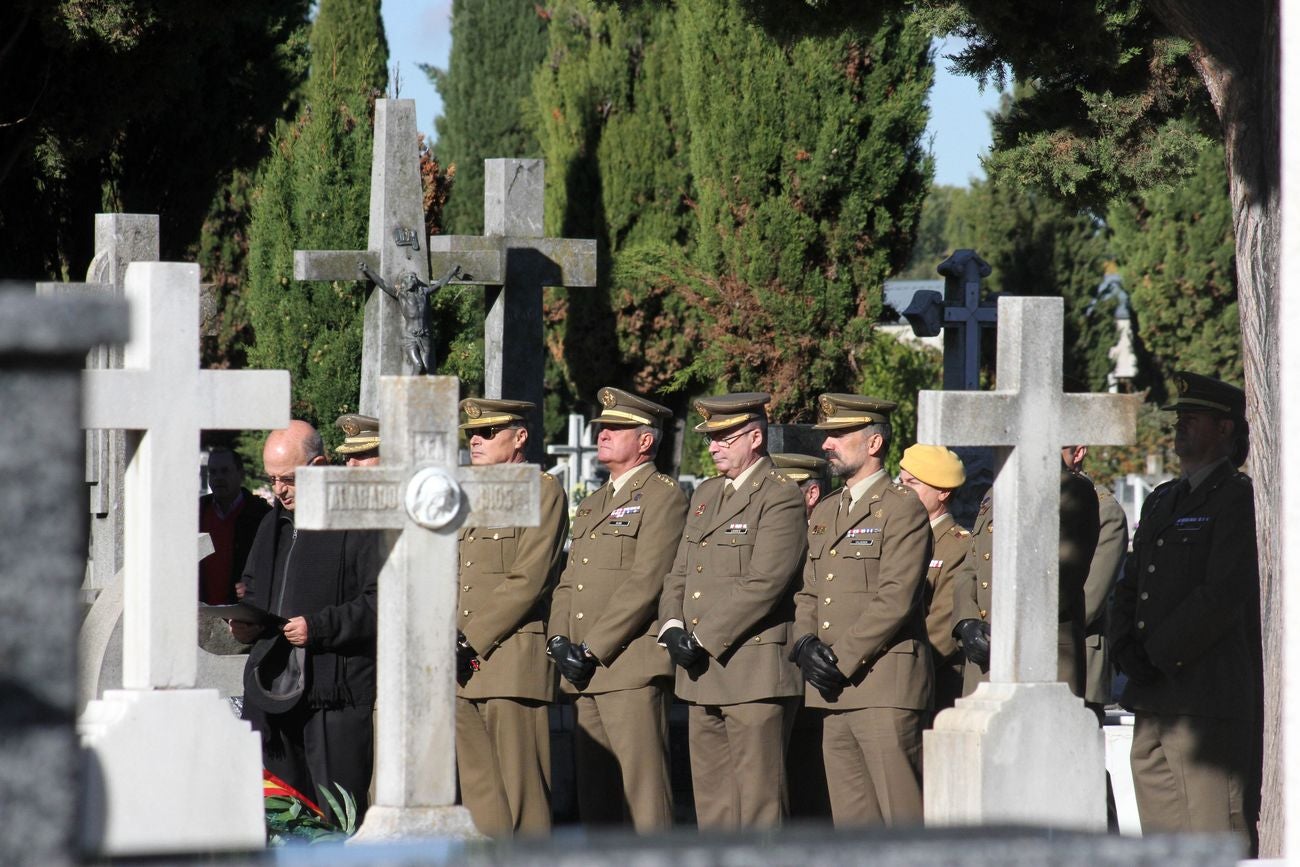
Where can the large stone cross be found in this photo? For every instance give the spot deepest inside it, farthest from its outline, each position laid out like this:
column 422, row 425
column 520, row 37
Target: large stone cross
column 418, row 490
column 514, row 261
column 120, row 239
column 164, row 401
column 1027, row 420
column 579, row 453
column 392, row 246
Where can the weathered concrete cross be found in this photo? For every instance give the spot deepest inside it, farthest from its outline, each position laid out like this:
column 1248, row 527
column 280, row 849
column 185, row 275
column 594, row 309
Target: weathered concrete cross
column 515, row 261
column 392, row 247
column 164, row 401
column 1027, row 421
column 419, row 491
column 120, row 239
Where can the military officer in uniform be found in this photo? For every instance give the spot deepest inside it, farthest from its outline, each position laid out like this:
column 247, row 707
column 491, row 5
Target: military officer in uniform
column 1107, row 562
column 1185, row 626
column 360, row 446
column 603, row 621
column 973, row 585
column 813, row 475
column 861, row 621
column 503, row 751
column 726, row 615
column 934, row 473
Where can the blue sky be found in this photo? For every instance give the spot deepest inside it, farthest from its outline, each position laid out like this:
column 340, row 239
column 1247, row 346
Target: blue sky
column 419, row 31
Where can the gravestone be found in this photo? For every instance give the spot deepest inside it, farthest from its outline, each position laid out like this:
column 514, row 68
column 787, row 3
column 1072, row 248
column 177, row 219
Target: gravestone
column 158, row 734
column 392, row 246
column 43, row 344
column 1287, row 359
column 419, row 492
column 1022, row 748
column 579, row 456
column 120, row 239
column 514, row 261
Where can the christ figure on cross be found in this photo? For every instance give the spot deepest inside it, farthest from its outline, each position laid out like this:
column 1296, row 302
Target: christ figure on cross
column 412, row 296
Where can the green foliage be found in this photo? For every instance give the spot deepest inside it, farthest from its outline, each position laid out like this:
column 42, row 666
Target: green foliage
column 314, row 193
column 289, row 820
column 1177, row 255
column 136, row 106
column 900, row 371
column 495, row 47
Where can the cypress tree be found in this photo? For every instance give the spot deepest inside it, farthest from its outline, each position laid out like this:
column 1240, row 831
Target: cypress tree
column 314, row 193
column 495, row 47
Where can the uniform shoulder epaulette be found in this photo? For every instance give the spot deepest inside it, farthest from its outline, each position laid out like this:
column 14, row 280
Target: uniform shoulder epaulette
column 902, row 489
column 547, row 476
column 959, row 531
column 778, row 475
column 667, row 480
column 1103, row 493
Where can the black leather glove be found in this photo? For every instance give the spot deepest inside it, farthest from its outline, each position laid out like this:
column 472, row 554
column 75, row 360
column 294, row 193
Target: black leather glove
column 682, row 646
column 974, row 637
column 819, row 664
column 466, row 660
column 1132, row 659
column 571, row 660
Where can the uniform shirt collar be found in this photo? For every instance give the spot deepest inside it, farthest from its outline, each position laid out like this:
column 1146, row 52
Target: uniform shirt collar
column 858, row 491
column 617, row 484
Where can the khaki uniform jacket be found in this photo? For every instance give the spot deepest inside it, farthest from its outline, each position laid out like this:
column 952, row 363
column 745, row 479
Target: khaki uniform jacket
column 1107, row 562
column 608, row 596
column 732, row 584
column 952, row 545
column 973, row 590
column 506, row 577
column 1190, row 595
column 863, row 591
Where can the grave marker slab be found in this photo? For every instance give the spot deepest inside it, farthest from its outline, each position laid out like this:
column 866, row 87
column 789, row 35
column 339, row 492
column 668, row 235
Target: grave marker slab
column 418, row 491
column 43, row 343
column 514, row 261
column 1022, row 748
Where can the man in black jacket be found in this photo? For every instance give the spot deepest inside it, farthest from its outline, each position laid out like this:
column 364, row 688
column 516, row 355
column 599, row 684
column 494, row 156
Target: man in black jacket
column 309, row 685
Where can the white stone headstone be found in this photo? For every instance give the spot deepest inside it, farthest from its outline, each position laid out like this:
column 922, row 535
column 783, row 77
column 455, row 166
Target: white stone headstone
column 418, row 491
column 1022, row 748
column 159, row 734
column 1288, row 391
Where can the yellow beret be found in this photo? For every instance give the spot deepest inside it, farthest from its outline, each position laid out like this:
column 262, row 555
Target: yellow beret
column 937, row 466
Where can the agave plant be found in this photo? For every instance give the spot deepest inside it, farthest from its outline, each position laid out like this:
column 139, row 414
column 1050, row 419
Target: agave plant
column 291, row 817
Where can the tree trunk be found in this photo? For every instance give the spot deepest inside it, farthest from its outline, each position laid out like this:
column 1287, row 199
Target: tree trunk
column 1237, row 53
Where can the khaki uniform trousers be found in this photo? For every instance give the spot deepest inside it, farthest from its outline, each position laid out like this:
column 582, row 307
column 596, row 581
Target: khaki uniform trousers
column 1191, row 772
column 622, row 754
column 738, row 762
column 873, row 766
column 503, row 756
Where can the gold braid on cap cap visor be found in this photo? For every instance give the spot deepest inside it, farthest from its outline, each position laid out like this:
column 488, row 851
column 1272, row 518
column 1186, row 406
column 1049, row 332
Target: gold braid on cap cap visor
column 725, row 421
column 854, row 419
column 490, row 420
column 618, row 413
column 1209, row 404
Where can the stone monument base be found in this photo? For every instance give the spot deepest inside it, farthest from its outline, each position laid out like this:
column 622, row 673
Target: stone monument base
column 384, row 824
column 169, row 771
column 1016, row 754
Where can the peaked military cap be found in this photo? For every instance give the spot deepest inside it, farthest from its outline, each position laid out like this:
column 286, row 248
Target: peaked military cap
column 724, row 411
column 361, row 433
column 482, row 412
column 839, row 411
column 1207, row 394
column 619, row 407
column 801, row 468
column 937, row 466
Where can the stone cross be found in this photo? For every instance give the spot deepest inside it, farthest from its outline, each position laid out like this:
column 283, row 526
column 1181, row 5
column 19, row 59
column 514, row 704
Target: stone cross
column 419, row 491
column 960, row 314
column 392, row 247
column 579, row 453
column 120, row 239
column 43, row 342
column 1027, row 420
column 164, row 401
column 1287, row 355
column 515, row 261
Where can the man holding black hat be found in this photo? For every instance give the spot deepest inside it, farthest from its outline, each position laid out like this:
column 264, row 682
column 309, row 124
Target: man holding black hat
column 935, row 473
column 603, row 621
column 727, row 613
column 1185, row 627
column 503, row 747
column 862, row 646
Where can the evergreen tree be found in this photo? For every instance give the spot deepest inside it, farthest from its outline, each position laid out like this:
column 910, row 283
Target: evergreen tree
column 1177, row 255
column 314, row 193
column 495, row 47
